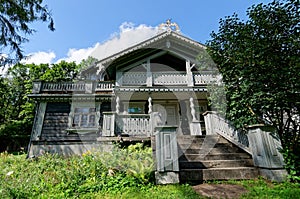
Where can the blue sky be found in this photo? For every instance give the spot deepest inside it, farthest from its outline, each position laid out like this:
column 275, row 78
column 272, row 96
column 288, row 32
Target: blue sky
column 82, row 25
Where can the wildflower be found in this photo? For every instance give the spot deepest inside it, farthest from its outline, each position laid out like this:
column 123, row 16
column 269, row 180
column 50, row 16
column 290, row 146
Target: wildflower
column 9, row 173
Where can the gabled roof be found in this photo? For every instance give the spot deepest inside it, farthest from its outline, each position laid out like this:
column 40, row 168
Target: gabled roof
column 158, row 41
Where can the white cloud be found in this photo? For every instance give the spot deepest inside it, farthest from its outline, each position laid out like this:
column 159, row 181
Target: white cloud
column 77, row 55
column 39, row 58
column 128, row 35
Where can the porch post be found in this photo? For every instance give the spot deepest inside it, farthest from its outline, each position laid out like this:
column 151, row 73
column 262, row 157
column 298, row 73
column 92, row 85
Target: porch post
column 189, row 74
column 126, row 106
column 149, row 74
column 149, row 105
column 193, row 112
column 195, row 126
column 117, row 104
column 119, row 79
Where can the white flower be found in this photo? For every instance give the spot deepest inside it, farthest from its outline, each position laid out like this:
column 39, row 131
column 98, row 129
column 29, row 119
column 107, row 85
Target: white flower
column 9, row 173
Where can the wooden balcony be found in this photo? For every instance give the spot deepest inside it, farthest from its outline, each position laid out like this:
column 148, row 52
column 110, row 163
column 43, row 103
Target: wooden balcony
column 131, row 79
column 68, row 87
column 174, row 78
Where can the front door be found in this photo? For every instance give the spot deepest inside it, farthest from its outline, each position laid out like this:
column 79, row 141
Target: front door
column 168, row 114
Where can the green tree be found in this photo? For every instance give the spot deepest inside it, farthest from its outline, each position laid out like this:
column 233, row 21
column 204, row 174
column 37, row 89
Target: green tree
column 260, row 64
column 16, row 16
column 17, row 112
column 88, row 62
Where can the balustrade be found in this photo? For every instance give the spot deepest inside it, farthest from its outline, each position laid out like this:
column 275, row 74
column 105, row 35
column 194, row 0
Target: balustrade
column 169, row 78
column 204, row 79
column 134, row 124
column 104, row 86
column 214, row 123
column 134, row 78
column 64, row 86
column 87, row 87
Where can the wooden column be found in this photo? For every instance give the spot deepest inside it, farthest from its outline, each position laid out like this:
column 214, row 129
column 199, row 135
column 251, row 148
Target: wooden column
column 119, row 79
column 195, row 126
column 193, row 111
column 149, row 105
column 117, row 104
column 149, row 74
column 125, row 107
column 189, row 74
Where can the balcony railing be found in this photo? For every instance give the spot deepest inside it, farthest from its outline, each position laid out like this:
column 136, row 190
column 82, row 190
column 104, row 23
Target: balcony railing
column 84, row 87
column 169, row 78
column 174, row 78
column 134, row 124
column 127, row 124
column 150, row 79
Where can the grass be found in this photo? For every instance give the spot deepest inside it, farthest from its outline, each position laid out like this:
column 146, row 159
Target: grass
column 261, row 189
column 116, row 175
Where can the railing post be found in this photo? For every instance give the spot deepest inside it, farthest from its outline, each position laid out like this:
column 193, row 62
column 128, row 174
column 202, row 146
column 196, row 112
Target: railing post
column 89, row 87
column 149, row 74
column 167, row 167
column 108, row 124
column 37, row 87
column 208, row 123
column 265, row 146
column 119, row 79
column 189, row 74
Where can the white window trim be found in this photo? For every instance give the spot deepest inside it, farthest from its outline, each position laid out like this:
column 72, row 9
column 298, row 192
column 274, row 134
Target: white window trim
column 79, row 128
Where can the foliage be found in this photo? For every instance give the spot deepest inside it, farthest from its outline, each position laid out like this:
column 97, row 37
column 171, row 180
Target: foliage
column 260, row 64
column 53, row 176
column 15, row 19
column 17, row 110
column 88, row 62
column 88, row 176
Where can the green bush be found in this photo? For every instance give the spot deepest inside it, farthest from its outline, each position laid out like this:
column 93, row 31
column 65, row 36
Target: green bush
column 59, row 177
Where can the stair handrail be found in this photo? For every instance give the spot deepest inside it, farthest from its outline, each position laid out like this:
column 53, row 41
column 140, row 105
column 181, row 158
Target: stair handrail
column 215, row 123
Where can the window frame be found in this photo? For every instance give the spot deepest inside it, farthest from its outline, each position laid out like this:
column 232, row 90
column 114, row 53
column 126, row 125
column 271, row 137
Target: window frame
column 84, row 111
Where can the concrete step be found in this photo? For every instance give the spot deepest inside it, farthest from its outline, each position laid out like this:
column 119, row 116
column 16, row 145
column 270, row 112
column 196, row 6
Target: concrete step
column 215, row 156
column 217, row 148
column 199, row 175
column 200, row 139
column 215, row 164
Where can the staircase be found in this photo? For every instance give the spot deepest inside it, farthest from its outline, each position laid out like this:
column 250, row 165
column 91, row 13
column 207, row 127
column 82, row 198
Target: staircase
column 212, row 157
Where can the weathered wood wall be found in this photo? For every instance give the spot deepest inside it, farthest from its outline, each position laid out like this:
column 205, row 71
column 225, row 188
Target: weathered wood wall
column 56, row 122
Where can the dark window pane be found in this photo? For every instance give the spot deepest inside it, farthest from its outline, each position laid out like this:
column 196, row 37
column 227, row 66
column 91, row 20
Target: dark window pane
column 92, row 120
column 84, row 120
column 76, row 120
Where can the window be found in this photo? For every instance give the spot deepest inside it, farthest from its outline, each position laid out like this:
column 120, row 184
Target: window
column 135, row 108
column 84, row 117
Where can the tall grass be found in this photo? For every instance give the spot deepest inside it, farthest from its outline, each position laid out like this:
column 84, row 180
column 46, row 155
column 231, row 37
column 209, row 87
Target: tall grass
column 59, row 177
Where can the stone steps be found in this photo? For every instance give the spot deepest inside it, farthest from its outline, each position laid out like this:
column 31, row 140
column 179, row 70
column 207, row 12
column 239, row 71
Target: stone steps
column 212, row 158
column 215, row 164
column 199, row 175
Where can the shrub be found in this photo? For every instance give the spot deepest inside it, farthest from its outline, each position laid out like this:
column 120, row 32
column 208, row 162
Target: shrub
column 59, row 177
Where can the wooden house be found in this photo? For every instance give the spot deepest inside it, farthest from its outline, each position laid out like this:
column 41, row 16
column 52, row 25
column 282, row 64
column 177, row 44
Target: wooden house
column 151, row 91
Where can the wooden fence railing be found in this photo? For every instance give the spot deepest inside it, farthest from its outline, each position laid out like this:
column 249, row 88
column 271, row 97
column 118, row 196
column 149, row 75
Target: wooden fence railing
column 214, row 123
